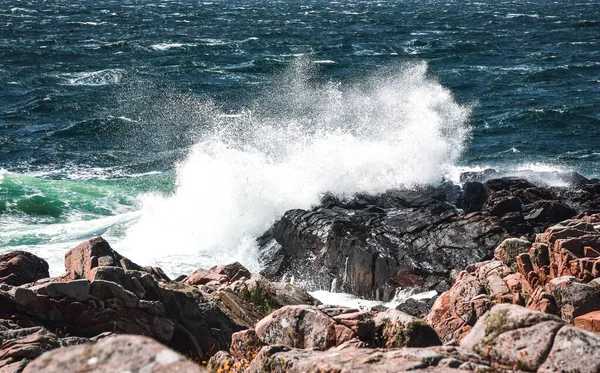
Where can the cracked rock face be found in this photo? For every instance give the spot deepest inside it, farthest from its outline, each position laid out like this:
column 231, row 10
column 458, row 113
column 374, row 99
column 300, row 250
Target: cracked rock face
column 547, row 276
column 371, row 247
column 325, row 327
column 19, row 346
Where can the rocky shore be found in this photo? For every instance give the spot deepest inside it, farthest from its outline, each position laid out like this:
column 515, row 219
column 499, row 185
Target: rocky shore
column 514, row 266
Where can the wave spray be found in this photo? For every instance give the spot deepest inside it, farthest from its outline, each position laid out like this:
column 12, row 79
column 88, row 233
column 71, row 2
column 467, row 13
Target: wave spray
column 299, row 139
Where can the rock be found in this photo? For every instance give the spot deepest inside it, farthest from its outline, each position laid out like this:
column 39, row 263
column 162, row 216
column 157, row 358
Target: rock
column 158, row 274
column 120, row 300
column 21, row 267
column 397, row 329
column 508, row 184
column 574, row 298
column 507, row 251
column 571, row 346
column 95, row 252
column 369, row 245
column 222, row 361
column 78, row 290
column 473, row 196
column 247, row 300
column 552, row 276
column 233, row 271
column 480, row 176
column 302, row 327
column 324, row 327
column 517, row 338
column 19, row 345
column 474, row 292
column 590, row 321
column 550, row 211
column 203, row 277
column 245, row 344
column 350, row 359
column 416, row 307
column 502, row 203
column 410, row 237
column 125, row 353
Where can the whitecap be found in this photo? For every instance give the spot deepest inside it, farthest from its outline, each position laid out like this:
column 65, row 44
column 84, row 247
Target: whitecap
column 93, row 78
column 167, row 46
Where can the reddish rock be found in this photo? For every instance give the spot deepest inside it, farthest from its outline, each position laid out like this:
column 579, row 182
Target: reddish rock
column 302, row 327
column 135, row 354
column 245, row 344
column 474, row 292
column 589, row 321
column 120, row 300
column 325, row 327
column 21, row 267
column 19, row 345
column 233, row 271
column 551, row 277
column 95, row 252
column 203, row 277
column 514, row 337
column 350, row 359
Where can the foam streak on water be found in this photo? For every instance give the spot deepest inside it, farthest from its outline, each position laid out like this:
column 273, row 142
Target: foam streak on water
column 301, row 139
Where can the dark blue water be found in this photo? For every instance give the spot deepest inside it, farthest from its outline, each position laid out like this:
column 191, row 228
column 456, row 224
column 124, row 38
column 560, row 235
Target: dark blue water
column 114, row 93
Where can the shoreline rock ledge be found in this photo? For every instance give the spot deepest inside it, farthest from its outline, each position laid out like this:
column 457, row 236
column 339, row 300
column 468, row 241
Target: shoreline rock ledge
column 516, row 267
column 103, row 294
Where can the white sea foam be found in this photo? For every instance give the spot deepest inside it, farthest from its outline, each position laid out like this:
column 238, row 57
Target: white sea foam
column 53, row 240
column 93, row 78
column 349, row 300
column 167, row 46
column 536, row 172
column 298, row 141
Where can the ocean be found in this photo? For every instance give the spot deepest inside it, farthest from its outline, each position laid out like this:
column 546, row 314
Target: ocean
column 180, row 130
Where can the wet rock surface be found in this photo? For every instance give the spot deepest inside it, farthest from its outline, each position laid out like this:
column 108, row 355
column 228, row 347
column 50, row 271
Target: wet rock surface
column 371, row 245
